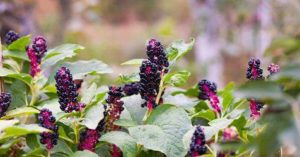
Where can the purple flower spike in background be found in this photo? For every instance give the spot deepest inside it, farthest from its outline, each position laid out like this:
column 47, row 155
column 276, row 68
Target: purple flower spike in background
column 197, row 146
column 47, row 120
column 67, row 91
column 208, row 91
column 10, row 37
column 5, row 100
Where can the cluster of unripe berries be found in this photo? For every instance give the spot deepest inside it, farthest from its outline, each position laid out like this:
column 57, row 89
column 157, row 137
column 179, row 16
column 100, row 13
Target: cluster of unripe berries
column 5, row 100
column 255, row 72
column 67, row 91
column 47, row 120
column 197, row 146
column 208, row 91
column 151, row 72
column 36, row 52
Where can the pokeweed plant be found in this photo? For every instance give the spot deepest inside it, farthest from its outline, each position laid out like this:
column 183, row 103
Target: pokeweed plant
column 49, row 107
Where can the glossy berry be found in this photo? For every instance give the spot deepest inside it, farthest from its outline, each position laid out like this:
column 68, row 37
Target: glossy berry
column 131, row 88
column 197, row 146
column 40, row 46
column 5, row 100
column 149, row 81
column 255, row 107
column 115, row 107
column 254, row 72
column 208, row 91
column 67, row 91
column 10, row 37
column 156, row 54
column 88, row 139
column 273, row 68
column 47, row 120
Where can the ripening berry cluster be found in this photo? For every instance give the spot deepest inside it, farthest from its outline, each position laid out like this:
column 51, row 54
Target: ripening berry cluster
column 47, row 120
column 229, row 134
column 208, row 91
column 197, row 146
column 115, row 107
column 36, row 52
column 5, row 100
column 10, row 37
column 131, row 88
column 67, row 91
column 156, row 54
column 255, row 107
column 88, row 139
column 254, row 72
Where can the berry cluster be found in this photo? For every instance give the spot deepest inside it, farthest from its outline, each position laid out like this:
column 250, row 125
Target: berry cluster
column 156, row 54
column 88, row 139
column 273, row 68
column 208, row 91
column 10, row 37
column 115, row 107
column 35, row 53
column 47, row 120
column 254, row 72
column 149, row 79
column 131, row 88
column 5, row 100
column 67, row 91
column 255, row 107
column 197, row 146
column 229, row 134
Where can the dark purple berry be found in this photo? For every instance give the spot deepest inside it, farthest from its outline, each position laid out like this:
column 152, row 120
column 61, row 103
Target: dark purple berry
column 40, row 46
column 254, row 72
column 67, row 91
column 208, row 91
column 131, row 88
column 5, row 100
column 47, row 120
column 156, row 54
column 255, row 107
column 88, row 140
column 197, row 146
column 10, row 37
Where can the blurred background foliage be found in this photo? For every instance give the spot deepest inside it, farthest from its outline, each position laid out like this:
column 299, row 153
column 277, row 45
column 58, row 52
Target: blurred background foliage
column 227, row 32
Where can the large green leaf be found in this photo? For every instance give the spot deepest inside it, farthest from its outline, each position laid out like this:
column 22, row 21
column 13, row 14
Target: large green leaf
column 122, row 139
column 16, row 54
column 88, row 94
column 205, row 114
column 137, row 62
column 21, row 130
column 177, row 78
column 93, row 116
column 215, row 126
column 85, row 153
column 59, row 53
column 7, row 123
column 178, row 49
column 26, row 78
column 20, row 44
column 179, row 99
column 20, row 112
column 227, row 96
column 164, row 130
column 259, row 90
column 18, row 90
column 135, row 112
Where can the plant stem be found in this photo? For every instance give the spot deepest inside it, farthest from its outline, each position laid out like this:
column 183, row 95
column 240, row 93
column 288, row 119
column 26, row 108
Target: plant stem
column 66, row 139
column 212, row 152
column 48, row 153
column 75, row 132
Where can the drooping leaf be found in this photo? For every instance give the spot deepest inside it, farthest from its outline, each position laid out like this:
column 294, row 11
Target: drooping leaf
column 125, row 142
column 21, row 130
column 133, row 105
column 136, row 62
column 20, row 112
column 177, row 78
column 26, row 78
column 20, row 44
column 164, row 130
column 93, row 116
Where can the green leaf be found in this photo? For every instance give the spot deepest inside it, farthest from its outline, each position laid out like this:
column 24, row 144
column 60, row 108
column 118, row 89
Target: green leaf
column 164, row 130
column 37, row 152
column 59, row 53
column 21, row 130
column 32, row 141
column 134, row 77
column 20, row 112
column 288, row 72
column 92, row 67
column 88, row 94
column 180, row 100
column 259, row 90
column 20, row 44
column 206, row 114
column 137, row 62
column 85, row 153
column 18, row 90
column 178, row 49
column 227, row 95
column 62, row 148
column 133, row 105
column 7, row 123
column 26, row 78
column 15, row 54
column 215, row 126
column 93, row 116
column 177, row 78
column 122, row 139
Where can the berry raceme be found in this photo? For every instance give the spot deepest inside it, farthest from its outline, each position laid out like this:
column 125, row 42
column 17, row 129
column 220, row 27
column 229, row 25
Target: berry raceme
column 208, row 91
column 273, row 69
column 88, row 139
column 197, row 146
column 115, row 107
column 5, row 100
column 10, row 37
column 67, row 91
column 254, row 72
column 47, row 120
column 131, row 88
column 156, row 54
column 149, row 80
column 35, row 53
column 255, row 107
